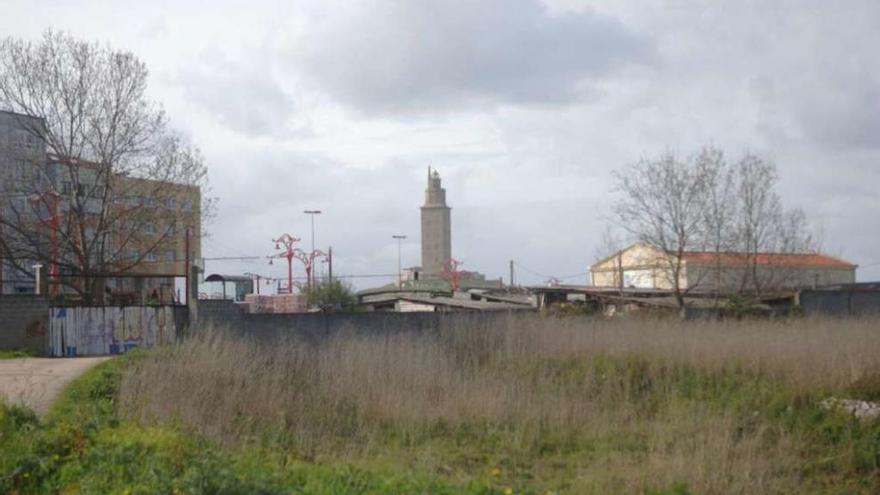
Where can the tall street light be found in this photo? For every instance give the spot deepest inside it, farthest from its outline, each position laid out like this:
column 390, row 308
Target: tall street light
column 286, row 242
column 312, row 214
column 399, row 277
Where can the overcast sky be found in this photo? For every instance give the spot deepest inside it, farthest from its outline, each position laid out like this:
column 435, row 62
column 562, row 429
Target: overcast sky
column 525, row 107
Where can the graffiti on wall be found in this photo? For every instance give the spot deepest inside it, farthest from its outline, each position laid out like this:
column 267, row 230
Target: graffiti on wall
column 94, row 331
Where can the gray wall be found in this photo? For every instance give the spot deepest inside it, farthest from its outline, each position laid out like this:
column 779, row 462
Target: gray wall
column 24, row 322
column 840, row 302
column 773, row 277
column 314, row 326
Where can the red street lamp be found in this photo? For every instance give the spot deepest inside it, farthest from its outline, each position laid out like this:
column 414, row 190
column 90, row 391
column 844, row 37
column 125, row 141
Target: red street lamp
column 287, row 241
column 308, row 260
column 452, row 273
column 52, row 223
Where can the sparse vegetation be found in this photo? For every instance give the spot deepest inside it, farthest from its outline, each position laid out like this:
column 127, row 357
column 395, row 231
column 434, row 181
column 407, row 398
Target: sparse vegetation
column 529, row 405
column 571, row 405
column 333, row 295
column 14, row 354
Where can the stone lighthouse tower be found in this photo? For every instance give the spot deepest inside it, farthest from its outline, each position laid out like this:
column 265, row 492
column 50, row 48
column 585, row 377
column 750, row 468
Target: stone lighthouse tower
column 436, row 236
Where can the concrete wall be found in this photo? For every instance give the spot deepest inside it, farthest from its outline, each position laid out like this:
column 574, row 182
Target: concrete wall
column 771, row 277
column 643, row 266
column 840, row 302
column 315, row 326
column 24, row 322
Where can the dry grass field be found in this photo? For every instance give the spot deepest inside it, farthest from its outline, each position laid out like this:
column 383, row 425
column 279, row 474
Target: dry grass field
column 543, row 405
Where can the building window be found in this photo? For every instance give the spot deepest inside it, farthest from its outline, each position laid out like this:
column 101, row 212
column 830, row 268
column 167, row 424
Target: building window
column 22, row 170
column 170, row 255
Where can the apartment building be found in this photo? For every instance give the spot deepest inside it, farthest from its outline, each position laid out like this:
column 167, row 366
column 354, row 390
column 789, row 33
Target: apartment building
column 84, row 220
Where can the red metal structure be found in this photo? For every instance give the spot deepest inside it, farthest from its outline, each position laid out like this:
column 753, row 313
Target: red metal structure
column 289, row 252
column 452, row 273
column 53, row 223
column 308, row 260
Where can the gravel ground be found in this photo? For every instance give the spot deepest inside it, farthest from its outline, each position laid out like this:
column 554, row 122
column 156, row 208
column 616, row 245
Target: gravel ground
column 35, row 382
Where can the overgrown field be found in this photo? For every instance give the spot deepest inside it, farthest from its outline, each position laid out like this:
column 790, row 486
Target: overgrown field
column 528, row 405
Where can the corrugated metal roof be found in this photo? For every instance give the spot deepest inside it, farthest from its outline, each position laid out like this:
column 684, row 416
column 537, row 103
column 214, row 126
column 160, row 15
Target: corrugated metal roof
column 456, row 302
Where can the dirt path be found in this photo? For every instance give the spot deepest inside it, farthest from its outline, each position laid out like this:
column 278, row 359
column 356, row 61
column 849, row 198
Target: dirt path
column 35, row 382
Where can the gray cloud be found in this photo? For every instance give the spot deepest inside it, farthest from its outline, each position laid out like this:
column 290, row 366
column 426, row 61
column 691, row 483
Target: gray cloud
column 416, row 57
column 540, row 106
column 243, row 95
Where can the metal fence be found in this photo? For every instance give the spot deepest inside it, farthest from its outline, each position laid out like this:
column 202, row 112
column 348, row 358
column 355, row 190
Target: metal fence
column 91, row 331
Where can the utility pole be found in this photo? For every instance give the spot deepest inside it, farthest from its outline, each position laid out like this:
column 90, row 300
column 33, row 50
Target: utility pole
column 186, row 268
column 399, row 275
column 312, row 214
column 330, row 264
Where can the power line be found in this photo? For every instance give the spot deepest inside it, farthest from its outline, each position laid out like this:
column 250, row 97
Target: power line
column 544, row 275
column 235, row 258
column 533, row 272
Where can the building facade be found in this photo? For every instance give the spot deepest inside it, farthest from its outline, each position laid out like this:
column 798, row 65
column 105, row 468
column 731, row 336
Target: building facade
column 645, row 267
column 22, row 157
column 77, row 216
column 436, row 231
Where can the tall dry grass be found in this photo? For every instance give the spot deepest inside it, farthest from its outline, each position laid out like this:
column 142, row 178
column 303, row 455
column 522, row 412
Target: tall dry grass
column 579, row 404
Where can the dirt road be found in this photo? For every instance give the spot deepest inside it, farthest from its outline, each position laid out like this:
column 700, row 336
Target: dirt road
column 36, row 382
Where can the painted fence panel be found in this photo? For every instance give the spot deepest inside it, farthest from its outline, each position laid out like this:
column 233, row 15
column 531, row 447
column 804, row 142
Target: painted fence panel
column 96, row 331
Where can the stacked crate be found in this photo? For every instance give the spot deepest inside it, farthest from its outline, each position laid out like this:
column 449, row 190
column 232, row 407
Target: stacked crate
column 279, row 303
column 258, row 303
column 290, row 303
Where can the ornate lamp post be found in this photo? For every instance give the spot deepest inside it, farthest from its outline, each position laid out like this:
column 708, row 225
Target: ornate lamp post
column 289, row 252
column 308, row 261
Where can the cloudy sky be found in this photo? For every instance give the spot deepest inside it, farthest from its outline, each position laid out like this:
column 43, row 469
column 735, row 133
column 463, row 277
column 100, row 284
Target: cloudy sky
column 524, row 106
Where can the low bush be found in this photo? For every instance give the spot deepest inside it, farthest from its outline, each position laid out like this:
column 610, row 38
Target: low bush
column 15, row 353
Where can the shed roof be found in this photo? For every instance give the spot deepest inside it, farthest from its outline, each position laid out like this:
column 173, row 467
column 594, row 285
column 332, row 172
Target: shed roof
column 785, row 259
column 738, row 258
column 455, row 302
column 217, row 277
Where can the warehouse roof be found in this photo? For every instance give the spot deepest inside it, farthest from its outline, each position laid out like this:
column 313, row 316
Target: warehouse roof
column 786, row 259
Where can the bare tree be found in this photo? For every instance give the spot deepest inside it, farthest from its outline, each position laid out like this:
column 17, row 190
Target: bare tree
column 729, row 211
column 662, row 205
column 765, row 231
column 718, row 214
column 610, row 244
column 116, row 185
